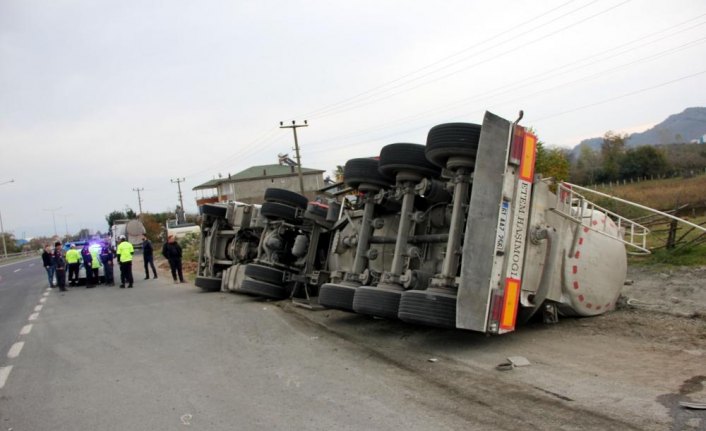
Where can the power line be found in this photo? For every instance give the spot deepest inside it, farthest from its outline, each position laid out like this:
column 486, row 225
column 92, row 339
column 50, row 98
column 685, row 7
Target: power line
column 441, row 60
column 543, row 76
column 622, row 96
column 476, row 64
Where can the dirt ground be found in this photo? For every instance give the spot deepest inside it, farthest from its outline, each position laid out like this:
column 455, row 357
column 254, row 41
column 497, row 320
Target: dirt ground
column 628, row 369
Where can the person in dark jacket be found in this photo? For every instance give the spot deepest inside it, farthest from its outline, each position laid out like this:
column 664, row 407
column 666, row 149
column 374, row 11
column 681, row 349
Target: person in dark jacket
column 148, row 257
column 107, row 255
column 60, row 264
column 48, row 262
column 88, row 265
column 172, row 251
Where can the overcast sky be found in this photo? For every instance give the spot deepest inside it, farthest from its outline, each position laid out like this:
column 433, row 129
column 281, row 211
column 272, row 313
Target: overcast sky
column 100, row 97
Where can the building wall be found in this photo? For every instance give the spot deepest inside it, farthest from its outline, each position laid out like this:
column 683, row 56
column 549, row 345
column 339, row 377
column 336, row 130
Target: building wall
column 253, row 191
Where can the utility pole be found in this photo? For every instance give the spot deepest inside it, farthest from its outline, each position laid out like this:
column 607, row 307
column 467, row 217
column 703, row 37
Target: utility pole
column 2, row 232
column 178, row 182
column 294, row 127
column 2, row 228
column 53, row 217
column 139, row 198
column 66, row 223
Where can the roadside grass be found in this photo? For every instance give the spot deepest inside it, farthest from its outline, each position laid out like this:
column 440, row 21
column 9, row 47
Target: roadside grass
column 682, row 254
column 664, row 195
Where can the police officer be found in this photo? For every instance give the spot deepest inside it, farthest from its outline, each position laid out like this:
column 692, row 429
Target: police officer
column 73, row 260
column 124, row 252
column 106, row 258
column 88, row 265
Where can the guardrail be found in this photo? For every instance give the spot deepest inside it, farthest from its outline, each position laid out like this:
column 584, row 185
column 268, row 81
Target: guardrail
column 16, row 256
column 574, row 206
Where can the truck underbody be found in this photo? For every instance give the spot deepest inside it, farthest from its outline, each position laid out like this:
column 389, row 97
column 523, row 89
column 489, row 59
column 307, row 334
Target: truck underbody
column 457, row 233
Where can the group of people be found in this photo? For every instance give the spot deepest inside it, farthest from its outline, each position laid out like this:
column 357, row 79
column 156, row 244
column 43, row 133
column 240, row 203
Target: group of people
column 94, row 257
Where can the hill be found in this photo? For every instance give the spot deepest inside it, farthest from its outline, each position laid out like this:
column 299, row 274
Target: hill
column 676, row 129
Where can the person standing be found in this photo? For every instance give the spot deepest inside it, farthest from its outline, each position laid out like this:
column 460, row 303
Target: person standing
column 172, row 251
column 48, row 261
column 125, row 251
column 148, row 256
column 106, row 258
column 60, row 265
column 88, row 265
column 95, row 264
column 73, row 259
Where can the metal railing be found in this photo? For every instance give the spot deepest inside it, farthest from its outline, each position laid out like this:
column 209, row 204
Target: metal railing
column 574, row 206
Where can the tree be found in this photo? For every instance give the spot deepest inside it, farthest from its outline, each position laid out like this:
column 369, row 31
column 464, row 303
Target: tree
column 338, row 173
column 612, row 153
column 586, row 169
column 643, row 162
column 552, row 162
column 120, row 215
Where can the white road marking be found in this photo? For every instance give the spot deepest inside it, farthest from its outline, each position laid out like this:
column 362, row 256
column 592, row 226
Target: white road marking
column 42, row 300
column 31, row 264
column 33, row 316
column 4, row 374
column 45, row 294
column 38, row 308
column 26, row 329
column 48, row 289
column 15, row 349
column 17, row 270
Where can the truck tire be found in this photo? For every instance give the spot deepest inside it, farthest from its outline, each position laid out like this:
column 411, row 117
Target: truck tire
column 208, row 284
column 265, row 273
column 286, row 197
column 278, row 211
column 406, row 157
column 452, row 140
column 431, row 308
column 261, row 288
column 365, row 170
column 213, row 210
column 338, row 296
column 377, row 301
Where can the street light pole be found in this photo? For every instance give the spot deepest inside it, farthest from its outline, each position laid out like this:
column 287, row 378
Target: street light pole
column 2, row 228
column 53, row 217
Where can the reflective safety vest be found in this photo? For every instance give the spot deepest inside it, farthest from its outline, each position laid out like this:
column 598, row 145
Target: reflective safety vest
column 125, row 251
column 73, row 256
column 95, row 261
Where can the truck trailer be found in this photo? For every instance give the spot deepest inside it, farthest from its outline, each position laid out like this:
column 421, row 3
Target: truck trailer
column 456, row 233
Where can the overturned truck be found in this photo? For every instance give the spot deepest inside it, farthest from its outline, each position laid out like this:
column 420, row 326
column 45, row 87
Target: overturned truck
column 457, row 233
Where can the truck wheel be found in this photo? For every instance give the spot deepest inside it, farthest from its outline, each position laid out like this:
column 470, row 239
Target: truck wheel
column 406, row 157
column 286, row 197
column 278, row 211
column 213, row 210
column 365, row 170
column 452, row 140
column 338, row 296
column 377, row 301
column 264, row 273
column 431, row 308
column 208, row 284
column 261, row 288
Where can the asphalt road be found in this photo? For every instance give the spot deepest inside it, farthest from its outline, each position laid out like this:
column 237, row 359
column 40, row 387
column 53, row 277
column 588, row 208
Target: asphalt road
column 166, row 356
column 20, row 291
column 163, row 357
